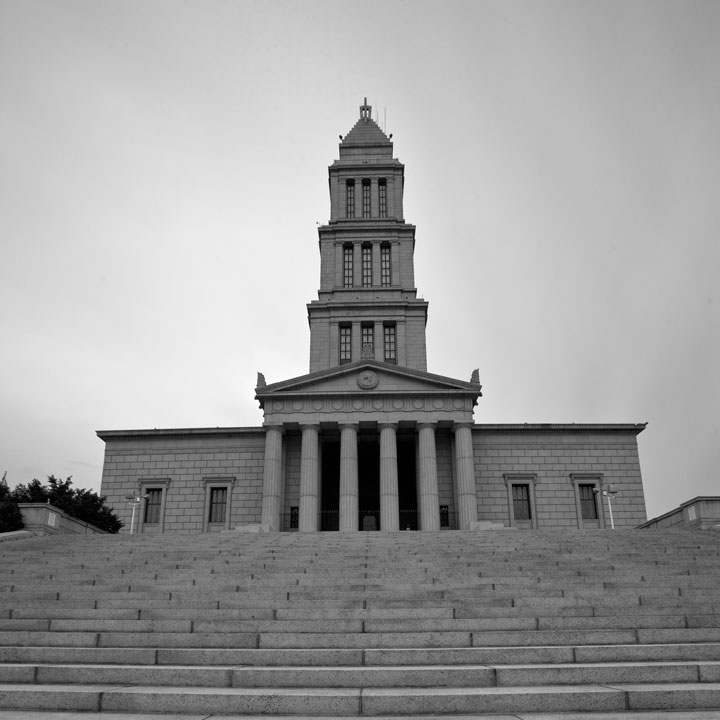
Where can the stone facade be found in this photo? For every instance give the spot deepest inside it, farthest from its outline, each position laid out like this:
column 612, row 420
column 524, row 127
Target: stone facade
column 369, row 439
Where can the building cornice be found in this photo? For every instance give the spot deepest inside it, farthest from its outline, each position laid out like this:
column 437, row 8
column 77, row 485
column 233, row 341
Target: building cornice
column 180, row 433
column 632, row 428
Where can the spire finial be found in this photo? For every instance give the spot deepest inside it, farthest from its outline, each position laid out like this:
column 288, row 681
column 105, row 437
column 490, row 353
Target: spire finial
column 365, row 111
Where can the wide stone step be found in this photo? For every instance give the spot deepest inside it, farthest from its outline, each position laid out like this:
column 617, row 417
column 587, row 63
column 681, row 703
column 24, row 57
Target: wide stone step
column 366, row 676
column 619, row 697
column 625, row 715
column 529, row 655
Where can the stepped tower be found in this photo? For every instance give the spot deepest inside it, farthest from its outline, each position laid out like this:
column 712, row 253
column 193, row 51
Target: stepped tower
column 368, row 412
column 367, row 304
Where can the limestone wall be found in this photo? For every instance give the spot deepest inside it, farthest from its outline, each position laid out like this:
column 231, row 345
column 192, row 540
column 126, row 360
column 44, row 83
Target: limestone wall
column 183, row 464
column 554, row 462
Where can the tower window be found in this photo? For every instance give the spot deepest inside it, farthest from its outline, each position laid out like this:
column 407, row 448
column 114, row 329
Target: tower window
column 366, row 198
column 218, row 504
column 367, row 265
column 347, row 265
column 350, row 198
column 368, row 341
column 385, row 270
column 389, row 343
column 382, row 196
column 345, row 343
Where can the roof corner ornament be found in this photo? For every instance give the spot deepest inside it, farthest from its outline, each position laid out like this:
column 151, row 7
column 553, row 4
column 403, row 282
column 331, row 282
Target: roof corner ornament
column 475, row 377
column 365, row 111
column 260, row 380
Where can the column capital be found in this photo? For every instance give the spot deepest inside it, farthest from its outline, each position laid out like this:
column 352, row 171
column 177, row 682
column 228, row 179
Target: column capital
column 349, row 426
column 460, row 425
column 388, row 425
column 427, row 424
column 310, row 426
column 280, row 427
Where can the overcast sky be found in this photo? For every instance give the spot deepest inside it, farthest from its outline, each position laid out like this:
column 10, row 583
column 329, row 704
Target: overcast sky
column 163, row 168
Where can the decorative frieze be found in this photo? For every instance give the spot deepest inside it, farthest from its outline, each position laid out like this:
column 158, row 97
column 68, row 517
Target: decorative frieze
column 383, row 408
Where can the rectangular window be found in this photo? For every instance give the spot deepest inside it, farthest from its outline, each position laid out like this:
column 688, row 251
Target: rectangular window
column 367, row 265
column 366, row 198
column 382, row 196
column 348, row 265
column 588, row 502
column 345, row 343
column 445, row 516
column 368, row 341
column 350, row 199
column 385, row 274
column 389, row 341
column 153, row 503
column 294, row 517
column 521, row 502
column 218, row 504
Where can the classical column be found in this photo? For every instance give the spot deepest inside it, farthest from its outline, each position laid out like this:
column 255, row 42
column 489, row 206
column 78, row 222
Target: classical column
column 427, row 478
column 465, row 465
column 349, row 503
column 389, row 507
column 272, row 478
column 309, row 479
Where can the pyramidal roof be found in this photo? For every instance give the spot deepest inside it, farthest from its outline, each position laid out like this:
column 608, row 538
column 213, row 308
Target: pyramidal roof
column 365, row 132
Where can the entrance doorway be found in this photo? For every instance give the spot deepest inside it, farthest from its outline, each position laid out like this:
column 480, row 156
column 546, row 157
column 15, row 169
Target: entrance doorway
column 369, row 518
column 407, row 488
column 369, row 482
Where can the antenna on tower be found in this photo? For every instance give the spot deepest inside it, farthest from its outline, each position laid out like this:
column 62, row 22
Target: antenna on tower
column 385, row 119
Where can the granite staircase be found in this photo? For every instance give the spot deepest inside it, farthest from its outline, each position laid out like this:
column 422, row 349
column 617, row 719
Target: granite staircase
column 503, row 623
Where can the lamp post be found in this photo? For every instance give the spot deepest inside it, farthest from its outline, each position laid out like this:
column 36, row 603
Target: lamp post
column 135, row 501
column 610, row 492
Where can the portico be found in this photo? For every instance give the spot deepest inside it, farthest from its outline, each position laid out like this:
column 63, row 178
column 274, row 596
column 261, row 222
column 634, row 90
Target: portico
column 368, row 448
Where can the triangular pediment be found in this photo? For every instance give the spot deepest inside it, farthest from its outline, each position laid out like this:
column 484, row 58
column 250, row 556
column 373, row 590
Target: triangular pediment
column 368, row 376
column 367, row 391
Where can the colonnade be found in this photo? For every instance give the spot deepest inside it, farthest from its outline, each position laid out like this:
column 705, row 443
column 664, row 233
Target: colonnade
column 426, row 478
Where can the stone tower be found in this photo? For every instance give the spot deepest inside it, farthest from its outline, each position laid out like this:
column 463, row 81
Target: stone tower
column 367, row 305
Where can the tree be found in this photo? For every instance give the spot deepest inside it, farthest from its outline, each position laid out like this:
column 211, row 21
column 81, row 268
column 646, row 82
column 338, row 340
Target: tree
column 78, row 503
column 10, row 515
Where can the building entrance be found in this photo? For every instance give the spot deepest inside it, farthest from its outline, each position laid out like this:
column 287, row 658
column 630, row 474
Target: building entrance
column 369, row 482
column 407, row 488
column 369, row 516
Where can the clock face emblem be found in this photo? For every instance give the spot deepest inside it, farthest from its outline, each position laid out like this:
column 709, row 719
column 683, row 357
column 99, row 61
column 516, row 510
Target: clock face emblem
column 367, row 379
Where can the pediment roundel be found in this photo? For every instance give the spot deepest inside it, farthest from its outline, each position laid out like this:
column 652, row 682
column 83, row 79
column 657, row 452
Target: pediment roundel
column 368, row 379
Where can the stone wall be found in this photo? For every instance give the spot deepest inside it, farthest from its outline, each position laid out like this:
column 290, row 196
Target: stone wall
column 555, row 459
column 183, row 464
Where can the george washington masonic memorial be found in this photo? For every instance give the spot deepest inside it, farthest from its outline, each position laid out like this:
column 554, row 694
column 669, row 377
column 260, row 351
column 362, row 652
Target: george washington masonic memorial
column 369, row 439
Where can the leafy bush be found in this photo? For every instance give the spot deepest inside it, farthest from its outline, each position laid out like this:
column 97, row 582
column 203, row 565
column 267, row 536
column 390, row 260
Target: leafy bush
column 10, row 515
column 82, row 504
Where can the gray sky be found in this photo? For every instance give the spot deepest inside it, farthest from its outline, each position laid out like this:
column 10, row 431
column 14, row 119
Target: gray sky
column 163, row 165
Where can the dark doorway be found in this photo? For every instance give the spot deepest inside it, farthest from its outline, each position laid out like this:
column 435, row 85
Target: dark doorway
column 330, row 490
column 406, row 482
column 369, row 482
